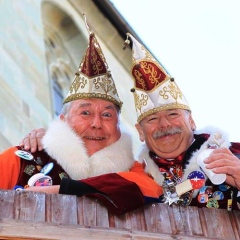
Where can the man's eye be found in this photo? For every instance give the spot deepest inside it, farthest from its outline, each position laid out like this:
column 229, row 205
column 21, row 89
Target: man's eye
column 85, row 113
column 174, row 114
column 152, row 119
column 107, row 114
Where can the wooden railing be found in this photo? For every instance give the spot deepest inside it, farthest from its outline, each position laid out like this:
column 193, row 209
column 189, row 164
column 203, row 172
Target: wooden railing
column 28, row 215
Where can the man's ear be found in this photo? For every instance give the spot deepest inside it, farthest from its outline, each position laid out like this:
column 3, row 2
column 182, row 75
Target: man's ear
column 192, row 123
column 140, row 132
column 62, row 117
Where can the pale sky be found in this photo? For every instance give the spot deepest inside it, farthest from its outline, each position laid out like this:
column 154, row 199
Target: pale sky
column 198, row 42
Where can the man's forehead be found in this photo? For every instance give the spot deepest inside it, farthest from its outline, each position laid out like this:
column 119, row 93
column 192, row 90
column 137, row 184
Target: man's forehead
column 84, row 103
column 162, row 112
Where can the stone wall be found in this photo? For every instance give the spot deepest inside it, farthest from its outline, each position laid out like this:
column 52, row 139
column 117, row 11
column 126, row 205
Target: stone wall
column 25, row 85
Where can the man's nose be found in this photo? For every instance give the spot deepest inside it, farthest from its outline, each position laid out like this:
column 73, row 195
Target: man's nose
column 163, row 122
column 96, row 122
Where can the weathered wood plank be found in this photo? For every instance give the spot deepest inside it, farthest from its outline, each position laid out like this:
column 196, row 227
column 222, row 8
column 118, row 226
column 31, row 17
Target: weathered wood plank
column 17, row 229
column 7, row 203
column 102, row 216
column 137, row 220
column 157, row 218
column 164, row 220
column 88, row 212
column 187, row 221
column 235, row 221
column 29, row 206
column 92, row 213
column 122, row 221
column 133, row 220
column 218, row 223
column 194, row 222
column 61, row 208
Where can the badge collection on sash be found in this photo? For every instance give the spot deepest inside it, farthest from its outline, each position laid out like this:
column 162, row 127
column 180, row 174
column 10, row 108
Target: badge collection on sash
column 38, row 179
column 181, row 192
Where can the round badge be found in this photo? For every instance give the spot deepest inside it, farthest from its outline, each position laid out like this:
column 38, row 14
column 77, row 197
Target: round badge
column 18, row 188
column 197, row 179
column 202, row 198
column 40, row 179
column 218, row 195
column 44, row 181
column 223, row 187
column 47, row 168
column 25, row 155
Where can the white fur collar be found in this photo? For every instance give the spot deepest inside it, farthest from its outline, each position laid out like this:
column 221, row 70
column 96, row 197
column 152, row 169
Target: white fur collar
column 153, row 170
column 67, row 148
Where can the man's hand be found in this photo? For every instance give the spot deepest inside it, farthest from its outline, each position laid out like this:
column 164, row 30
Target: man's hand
column 221, row 160
column 33, row 140
column 44, row 189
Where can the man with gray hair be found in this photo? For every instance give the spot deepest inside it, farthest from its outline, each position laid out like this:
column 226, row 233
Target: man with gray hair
column 84, row 143
column 194, row 169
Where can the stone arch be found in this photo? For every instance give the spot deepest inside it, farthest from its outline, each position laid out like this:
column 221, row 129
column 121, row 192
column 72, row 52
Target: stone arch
column 65, row 45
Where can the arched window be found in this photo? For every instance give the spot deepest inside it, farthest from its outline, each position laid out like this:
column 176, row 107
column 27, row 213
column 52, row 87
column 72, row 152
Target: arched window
column 65, row 45
column 57, row 95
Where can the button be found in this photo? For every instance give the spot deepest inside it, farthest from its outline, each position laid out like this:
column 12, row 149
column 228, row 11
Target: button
column 47, row 168
column 25, row 155
column 40, row 179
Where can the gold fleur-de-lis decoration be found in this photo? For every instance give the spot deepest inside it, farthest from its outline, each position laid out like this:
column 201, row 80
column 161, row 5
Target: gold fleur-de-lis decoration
column 171, row 89
column 140, row 100
column 77, row 83
column 105, row 84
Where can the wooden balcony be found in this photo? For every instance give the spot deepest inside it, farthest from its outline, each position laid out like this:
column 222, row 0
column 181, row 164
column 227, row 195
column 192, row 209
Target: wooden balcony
column 28, row 215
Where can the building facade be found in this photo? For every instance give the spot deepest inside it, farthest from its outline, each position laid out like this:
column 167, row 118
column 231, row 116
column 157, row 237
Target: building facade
column 41, row 45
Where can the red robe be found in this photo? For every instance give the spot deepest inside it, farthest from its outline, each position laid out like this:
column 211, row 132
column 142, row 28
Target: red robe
column 120, row 192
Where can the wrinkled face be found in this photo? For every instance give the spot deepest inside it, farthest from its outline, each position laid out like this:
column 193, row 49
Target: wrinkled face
column 95, row 121
column 167, row 133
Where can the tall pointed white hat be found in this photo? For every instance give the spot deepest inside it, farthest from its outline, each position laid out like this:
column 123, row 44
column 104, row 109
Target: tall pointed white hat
column 155, row 90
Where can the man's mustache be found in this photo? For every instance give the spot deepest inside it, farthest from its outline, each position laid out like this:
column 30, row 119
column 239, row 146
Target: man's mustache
column 163, row 133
